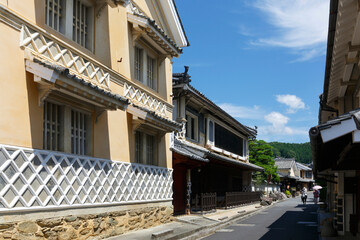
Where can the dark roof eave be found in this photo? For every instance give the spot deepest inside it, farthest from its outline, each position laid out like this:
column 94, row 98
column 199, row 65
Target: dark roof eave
column 235, row 162
column 251, row 132
column 65, row 71
column 330, row 46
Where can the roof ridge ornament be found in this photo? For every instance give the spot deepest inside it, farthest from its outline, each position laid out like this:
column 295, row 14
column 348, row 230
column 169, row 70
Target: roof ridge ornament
column 182, row 77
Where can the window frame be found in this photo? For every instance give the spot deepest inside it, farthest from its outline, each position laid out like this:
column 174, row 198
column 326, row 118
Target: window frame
column 189, row 126
column 212, row 143
column 141, row 149
column 68, row 21
column 66, row 138
column 146, row 54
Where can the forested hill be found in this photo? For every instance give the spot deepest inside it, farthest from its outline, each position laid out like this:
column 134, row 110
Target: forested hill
column 301, row 151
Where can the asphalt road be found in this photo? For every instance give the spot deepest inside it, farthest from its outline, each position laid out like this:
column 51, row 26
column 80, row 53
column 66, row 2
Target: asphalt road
column 289, row 219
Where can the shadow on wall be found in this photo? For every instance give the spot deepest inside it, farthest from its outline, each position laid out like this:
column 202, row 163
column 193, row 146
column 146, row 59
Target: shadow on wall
column 35, row 112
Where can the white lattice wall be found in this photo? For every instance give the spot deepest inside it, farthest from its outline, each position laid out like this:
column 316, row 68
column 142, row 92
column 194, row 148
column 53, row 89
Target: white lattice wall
column 55, row 52
column 144, row 99
column 38, row 179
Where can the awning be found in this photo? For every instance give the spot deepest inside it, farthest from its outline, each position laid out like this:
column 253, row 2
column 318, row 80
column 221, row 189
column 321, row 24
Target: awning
column 143, row 117
column 55, row 79
column 189, row 151
column 336, row 144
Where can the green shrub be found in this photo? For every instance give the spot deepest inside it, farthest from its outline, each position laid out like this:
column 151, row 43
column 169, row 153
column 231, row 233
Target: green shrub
column 287, row 193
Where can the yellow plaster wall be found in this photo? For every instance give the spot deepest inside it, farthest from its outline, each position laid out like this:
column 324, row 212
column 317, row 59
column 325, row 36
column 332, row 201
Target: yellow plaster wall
column 15, row 93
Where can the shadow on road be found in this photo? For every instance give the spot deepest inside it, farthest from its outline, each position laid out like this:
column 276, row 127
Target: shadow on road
column 301, row 224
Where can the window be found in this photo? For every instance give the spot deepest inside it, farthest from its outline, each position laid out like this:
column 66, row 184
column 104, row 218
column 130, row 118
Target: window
column 145, row 68
column 54, row 14
column 229, row 141
column 52, row 127
column 138, row 64
column 78, row 132
column 61, row 121
column 72, row 18
column 145, row 148
column 191, row 126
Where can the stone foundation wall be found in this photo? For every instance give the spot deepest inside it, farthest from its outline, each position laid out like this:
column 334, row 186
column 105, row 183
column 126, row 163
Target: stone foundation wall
column 89, row 226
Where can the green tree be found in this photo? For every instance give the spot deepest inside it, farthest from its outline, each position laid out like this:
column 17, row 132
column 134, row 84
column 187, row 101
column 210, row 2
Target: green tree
column 261, row 154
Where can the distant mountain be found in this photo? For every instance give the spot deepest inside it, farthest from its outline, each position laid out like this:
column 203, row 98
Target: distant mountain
column 301, row 151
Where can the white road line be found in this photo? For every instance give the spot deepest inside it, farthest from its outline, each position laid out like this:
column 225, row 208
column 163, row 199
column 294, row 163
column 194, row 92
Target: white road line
column 225, row 230
column 243, row 225
column 306, row 223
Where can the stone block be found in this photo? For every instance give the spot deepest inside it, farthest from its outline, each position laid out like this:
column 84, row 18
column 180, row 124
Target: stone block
column 85, row 231
column 70, row 219
column 50, row 222
column 118, row 214
column 6, row 226
column 68, row 235
column 27, row 227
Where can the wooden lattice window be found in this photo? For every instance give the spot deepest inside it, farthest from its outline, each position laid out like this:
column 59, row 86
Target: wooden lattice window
column 138, row 147
column 73, row 18
column 78, row 132
column 80, row 23
column 145, row 68
column 54, row 14
column 145, row 148
column 52, row 120
column 150, row 72
column 138, row 64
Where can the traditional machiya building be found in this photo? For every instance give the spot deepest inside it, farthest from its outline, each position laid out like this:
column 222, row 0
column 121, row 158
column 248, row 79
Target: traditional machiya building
column 288, row 173
column 305, row 176
column 86, row 115
column 210, row 154
column 335, row 141
column 294, row 175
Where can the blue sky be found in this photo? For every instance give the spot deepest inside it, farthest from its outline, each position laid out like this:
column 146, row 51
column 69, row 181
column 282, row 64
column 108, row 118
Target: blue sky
column 262, row 61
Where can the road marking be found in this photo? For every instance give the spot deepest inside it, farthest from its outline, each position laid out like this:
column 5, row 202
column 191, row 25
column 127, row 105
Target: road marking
column 306, row 223
column 225, row 230
column 243, row 225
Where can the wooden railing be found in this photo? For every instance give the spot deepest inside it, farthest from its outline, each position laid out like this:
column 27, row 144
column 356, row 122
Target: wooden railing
column 207, row 201
column 239, row 198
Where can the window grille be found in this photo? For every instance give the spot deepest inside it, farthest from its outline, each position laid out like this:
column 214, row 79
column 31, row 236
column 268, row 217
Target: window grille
column 138, row 64
column 54, row 14
column 150, row 72
column 52, row 123
column 80, row 23
column 138, row 145
column 150, row 149
column 78, row 132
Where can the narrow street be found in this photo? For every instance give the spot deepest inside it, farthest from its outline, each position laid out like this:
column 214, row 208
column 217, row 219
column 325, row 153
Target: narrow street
column 286, row 220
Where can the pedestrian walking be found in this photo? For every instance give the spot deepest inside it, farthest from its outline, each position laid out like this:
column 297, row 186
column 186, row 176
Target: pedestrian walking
column 316, row 196
column 303, row 195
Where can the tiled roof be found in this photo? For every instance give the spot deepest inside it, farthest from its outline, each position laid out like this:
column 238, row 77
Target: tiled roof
column 180, row 78
column 65, row 71
column 284, row 163
column 157, row 116
column 162, row 33
column 303, row 167
column 189, row 151
column 235, row 162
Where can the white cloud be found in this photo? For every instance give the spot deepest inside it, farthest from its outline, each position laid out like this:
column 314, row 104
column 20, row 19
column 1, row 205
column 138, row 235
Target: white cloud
column 293, row 102
column 278, row 128
column 242, row 112
column 301, row 25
